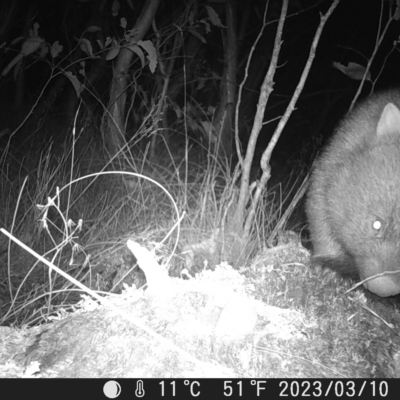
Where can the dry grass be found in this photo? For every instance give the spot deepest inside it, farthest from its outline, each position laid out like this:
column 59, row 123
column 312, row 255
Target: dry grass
column 78, row 210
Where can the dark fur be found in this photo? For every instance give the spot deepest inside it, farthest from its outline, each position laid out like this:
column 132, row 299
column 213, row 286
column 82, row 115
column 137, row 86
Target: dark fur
column 353, row 204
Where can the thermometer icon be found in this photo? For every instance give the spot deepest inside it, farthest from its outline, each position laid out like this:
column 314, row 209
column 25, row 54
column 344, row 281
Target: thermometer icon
column 139, row 392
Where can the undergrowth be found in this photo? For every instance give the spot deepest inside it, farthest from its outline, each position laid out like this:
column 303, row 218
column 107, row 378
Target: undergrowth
column 77, row 210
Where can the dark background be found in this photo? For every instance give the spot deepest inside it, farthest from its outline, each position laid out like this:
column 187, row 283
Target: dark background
column 349, row 36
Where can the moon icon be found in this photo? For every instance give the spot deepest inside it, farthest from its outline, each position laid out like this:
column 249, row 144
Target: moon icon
column 112, row 389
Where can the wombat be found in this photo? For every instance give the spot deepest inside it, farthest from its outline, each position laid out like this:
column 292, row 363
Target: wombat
column 353, row 204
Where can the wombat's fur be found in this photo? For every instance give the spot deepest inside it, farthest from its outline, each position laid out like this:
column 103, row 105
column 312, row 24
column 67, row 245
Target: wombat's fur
column 353, row 204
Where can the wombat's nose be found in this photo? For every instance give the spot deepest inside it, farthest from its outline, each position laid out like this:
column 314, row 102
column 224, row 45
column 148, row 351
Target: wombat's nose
column 383, row 286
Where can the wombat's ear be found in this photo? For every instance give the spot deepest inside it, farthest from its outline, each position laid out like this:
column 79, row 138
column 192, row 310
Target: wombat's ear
column 389, row 121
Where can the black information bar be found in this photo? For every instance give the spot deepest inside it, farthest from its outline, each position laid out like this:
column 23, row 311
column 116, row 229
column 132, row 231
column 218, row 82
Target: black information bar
column 114, row 388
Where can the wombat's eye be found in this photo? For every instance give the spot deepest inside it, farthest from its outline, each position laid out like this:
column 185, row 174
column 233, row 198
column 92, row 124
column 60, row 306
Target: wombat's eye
column 377, row 225
column 378, row 228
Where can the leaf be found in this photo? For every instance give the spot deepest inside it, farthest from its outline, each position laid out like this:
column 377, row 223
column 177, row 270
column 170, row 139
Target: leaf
column 15, row 41
column 56, row 49
column 201, row 84
column 44, row 49
column 35, row 31
column 195, row 33
column 115, row 8
column 93, row 29
column 75, row 83
column 206, row 24
column 178, row 111
column 148, row 46
column 396, row 15
column 82, row 69
column 191, row 17
column 136, row 49
column 31, row 45
column 108, row 41
column 209, row 131
column 213, row 17
column 113, row 52
column 353, row 70
column 17, row 68
column 11, row 64
column 86, row 46
column 100, row 43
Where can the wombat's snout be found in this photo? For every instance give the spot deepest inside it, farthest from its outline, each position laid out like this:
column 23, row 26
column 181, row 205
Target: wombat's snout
column 383, row 286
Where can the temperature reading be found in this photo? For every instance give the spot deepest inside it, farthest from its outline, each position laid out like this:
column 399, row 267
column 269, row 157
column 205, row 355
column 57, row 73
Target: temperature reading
column 229, row 389
column 193, row 386
column 173, row 385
